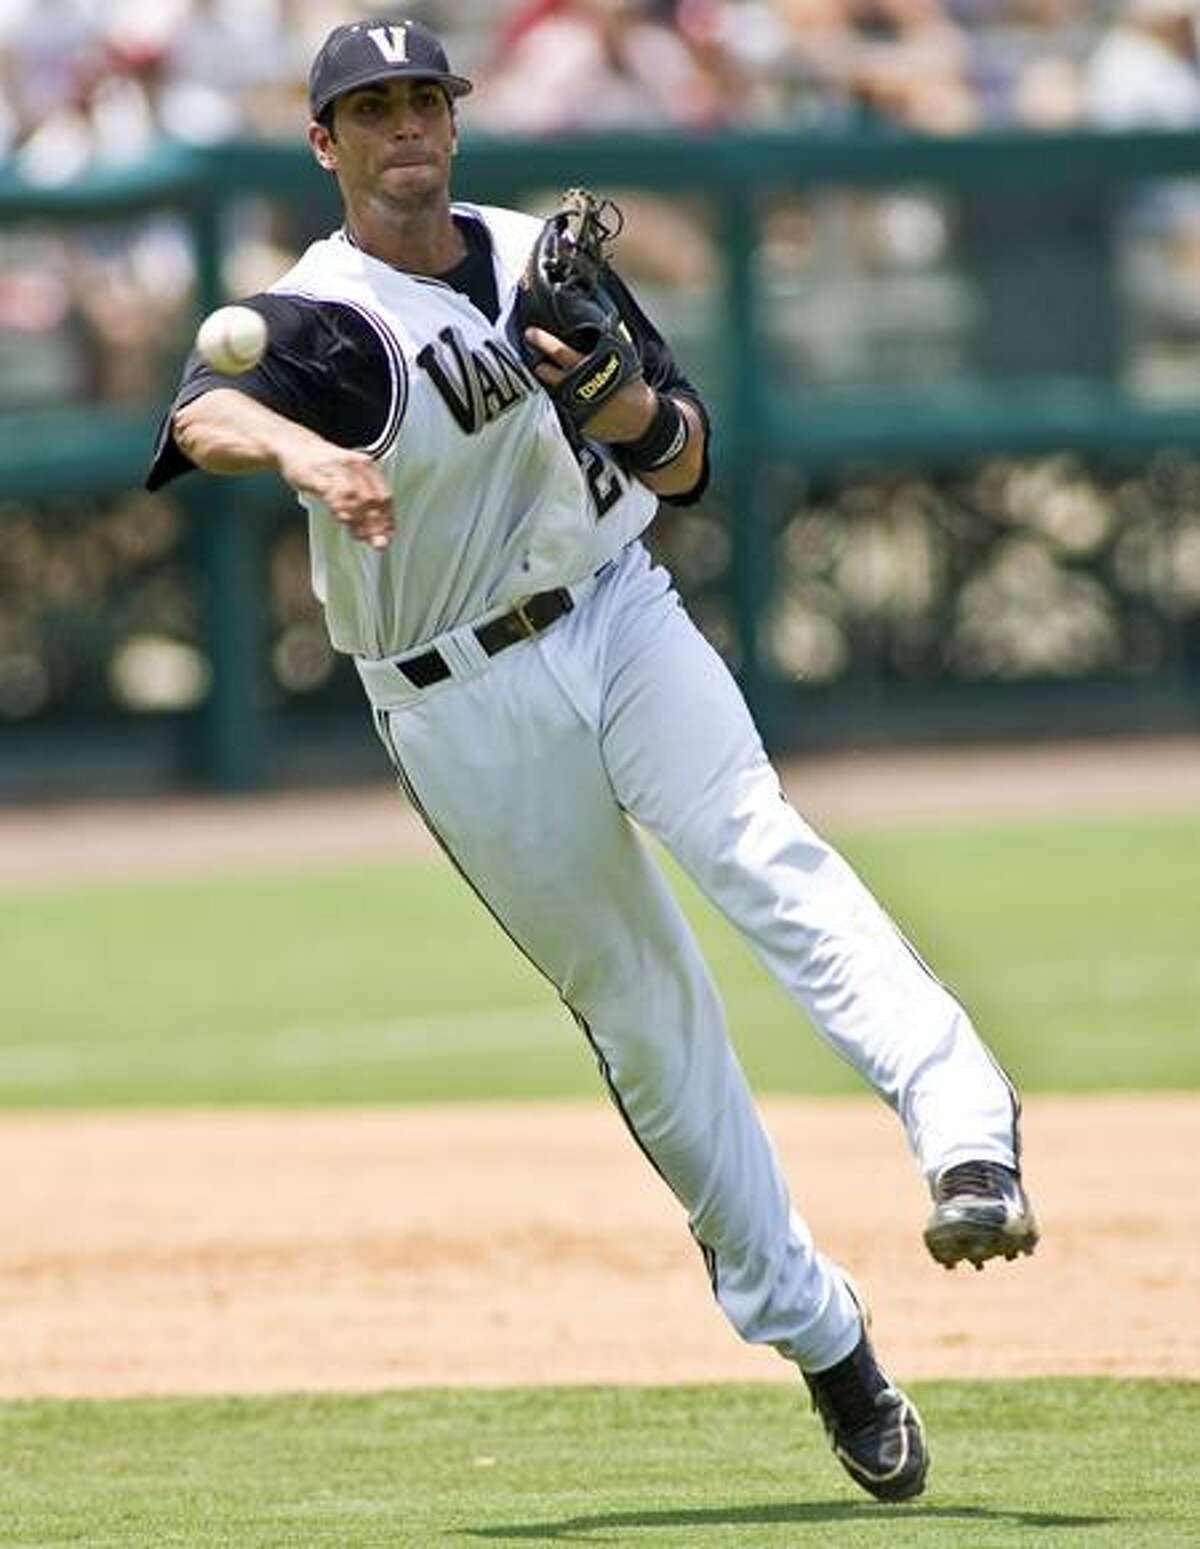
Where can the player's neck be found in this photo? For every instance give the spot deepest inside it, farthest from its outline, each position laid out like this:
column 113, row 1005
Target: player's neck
column 420, row 239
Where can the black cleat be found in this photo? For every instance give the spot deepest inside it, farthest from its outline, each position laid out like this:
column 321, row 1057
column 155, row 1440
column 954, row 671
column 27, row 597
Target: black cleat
column 980, row 1212
column 874, row 1430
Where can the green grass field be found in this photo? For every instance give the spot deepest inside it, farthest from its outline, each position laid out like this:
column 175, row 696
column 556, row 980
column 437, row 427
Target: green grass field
column 1058, row 1464
column 1074, row 944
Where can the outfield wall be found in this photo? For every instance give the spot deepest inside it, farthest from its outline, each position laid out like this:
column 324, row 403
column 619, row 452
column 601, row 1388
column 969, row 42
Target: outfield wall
column 957, row 488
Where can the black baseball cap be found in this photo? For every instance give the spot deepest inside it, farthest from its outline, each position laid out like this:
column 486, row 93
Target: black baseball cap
column 379, row 49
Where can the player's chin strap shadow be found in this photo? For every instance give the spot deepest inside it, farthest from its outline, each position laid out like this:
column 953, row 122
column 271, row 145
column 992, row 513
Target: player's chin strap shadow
column 773, row 1512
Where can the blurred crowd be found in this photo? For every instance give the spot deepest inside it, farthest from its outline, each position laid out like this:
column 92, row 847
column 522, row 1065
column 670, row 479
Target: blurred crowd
column 97, row 80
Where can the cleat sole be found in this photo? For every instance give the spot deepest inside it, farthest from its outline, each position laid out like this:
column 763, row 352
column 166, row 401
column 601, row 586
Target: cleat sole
column 952, row 1243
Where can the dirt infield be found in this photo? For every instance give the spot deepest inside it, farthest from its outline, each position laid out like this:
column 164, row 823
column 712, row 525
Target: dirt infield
column 253, row 1251
column 195, row 1252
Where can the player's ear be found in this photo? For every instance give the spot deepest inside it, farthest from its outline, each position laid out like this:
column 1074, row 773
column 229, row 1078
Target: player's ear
column 324, row 147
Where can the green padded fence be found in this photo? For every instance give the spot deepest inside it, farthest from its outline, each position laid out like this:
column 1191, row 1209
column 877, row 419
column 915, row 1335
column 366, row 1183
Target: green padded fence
column 1039, row 215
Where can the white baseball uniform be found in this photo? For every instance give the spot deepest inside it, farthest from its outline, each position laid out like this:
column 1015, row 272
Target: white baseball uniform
column 535, row 763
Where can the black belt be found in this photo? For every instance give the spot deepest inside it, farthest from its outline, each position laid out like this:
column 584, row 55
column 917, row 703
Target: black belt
column 526, row 620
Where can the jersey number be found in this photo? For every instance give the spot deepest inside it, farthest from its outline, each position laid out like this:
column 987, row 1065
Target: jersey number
column 603, row 479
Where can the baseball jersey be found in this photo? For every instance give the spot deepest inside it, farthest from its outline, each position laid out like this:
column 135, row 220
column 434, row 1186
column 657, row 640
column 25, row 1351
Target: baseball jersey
column 494, row 498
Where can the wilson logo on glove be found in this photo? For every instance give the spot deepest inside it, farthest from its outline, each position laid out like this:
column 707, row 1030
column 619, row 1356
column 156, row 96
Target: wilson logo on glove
column 588, row 390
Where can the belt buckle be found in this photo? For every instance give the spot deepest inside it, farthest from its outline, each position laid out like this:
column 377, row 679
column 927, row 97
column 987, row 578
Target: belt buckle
column 528, row 627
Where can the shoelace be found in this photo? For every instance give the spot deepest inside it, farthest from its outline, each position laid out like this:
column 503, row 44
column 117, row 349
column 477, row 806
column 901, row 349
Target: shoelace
column 973, row 1178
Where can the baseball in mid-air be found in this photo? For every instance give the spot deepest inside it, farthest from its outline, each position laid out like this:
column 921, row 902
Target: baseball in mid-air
column 232, row 339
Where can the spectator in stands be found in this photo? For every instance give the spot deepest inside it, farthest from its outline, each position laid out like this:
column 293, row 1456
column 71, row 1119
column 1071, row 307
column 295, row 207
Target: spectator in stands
column 886, row 62
column 588, row 64
column 1146, row 70
column 1145, row 73
column 1026, row 58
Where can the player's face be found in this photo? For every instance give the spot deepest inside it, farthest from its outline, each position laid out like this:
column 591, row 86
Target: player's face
column 392, row 141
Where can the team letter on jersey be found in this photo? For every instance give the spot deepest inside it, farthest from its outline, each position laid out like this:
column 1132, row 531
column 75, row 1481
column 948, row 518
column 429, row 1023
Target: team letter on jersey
column 476, row 387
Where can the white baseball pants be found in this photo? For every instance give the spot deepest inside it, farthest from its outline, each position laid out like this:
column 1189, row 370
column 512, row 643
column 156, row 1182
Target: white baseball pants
column 528, row 768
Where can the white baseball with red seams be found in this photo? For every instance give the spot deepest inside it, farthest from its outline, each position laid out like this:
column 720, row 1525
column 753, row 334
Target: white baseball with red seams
column 232, row 339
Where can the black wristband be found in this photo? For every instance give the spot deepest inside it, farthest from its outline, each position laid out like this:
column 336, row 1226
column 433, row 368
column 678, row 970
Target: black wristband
column 663, row 440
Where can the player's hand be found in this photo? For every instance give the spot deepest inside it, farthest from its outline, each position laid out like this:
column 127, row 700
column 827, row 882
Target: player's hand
column 625, row 416
column 350, row 484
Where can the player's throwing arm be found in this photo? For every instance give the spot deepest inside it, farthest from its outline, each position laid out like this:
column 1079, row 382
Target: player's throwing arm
column 226, row 431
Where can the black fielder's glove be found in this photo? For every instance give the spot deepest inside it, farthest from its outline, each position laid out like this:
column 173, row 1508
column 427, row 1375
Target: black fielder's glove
column 562, row 290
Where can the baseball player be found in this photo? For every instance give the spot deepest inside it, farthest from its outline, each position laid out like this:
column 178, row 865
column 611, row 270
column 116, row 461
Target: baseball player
column 476, row 496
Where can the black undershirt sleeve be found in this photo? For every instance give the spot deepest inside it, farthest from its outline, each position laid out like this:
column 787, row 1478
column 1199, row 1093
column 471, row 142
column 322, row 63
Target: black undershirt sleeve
column 662, row 372
column 325, row 367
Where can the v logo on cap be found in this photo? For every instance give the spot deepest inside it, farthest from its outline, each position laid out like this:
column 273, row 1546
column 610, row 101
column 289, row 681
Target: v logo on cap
column 392, row 43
